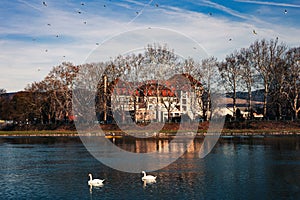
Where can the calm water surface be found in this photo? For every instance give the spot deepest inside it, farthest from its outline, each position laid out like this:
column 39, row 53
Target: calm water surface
column 237, row 168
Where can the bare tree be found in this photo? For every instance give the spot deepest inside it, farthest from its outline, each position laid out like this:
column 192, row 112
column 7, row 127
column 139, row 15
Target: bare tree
column 58, row 86
column 231, row 74
column 88, row 90
column 265, row 56
column 2, row 101
column 280, row 75
column 41, row 102
column 208, row 70
column 248, row 74
column 293, row 79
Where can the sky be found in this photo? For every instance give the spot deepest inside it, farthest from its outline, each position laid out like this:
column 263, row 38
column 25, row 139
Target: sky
column 37, row 35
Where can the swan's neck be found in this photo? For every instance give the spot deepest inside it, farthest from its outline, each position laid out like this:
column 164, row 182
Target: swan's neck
column 90, row 175
column 144, row 174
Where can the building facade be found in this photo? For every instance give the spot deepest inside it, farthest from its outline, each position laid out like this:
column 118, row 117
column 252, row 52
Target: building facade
column 173, row 100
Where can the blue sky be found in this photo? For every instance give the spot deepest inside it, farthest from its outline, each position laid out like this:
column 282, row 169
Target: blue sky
column 35, row 37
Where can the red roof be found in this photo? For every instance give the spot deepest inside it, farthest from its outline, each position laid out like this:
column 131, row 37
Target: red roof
column 179, row 82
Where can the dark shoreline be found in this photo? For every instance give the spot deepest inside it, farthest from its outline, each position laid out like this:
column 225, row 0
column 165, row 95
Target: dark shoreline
column 233, row 128
column 169, row 130
column 117, row 134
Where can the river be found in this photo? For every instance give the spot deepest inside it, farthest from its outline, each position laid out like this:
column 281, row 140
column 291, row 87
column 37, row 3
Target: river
column 237, row 168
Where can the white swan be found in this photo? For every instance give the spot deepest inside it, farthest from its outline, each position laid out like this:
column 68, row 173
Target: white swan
column 148, row 178
column 95, row 182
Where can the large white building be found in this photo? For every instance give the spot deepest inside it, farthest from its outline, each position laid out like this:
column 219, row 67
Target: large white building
column 178, row 98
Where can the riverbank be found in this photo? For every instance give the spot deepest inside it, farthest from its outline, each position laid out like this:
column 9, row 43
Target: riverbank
column 253, row 128
column 39, row 133
column 116, row 134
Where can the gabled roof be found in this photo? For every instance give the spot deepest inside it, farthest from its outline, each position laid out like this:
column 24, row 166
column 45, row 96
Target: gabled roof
column 168, row 88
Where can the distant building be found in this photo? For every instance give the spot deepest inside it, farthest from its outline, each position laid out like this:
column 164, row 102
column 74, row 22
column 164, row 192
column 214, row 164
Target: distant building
column 157, row 101
column 226, row 107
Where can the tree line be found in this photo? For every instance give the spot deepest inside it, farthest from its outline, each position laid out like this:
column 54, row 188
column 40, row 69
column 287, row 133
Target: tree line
column 270, row 66
column 266, row 65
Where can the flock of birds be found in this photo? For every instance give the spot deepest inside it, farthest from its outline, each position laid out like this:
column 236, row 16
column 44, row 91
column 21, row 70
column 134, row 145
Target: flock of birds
column 137, row 12
column 80, row 12
column 49, row 24
column 100, row 182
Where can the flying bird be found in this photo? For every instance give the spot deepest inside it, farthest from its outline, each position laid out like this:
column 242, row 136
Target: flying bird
column 84, row 22
column 97, row 43
column 44, row 3
column 254, row 32
column 285, row 11
column 49, row 24
column 230, row 39
column 156, row 5
column 210, row 13
column 82, row 3
column 137, row 12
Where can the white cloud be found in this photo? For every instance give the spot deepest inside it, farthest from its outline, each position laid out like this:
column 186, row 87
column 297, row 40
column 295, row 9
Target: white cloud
column 269, row 3
column 25, row 61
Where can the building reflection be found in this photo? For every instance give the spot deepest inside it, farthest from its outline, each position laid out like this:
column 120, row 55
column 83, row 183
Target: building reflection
column 145, row 145
column 149, row 145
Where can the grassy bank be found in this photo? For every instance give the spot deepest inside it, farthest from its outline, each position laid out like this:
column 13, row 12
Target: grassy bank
column 225, row 132
column 39, row 133
column 263, row 128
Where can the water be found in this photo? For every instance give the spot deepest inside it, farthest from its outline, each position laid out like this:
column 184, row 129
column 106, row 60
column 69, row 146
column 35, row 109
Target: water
column 237, row 168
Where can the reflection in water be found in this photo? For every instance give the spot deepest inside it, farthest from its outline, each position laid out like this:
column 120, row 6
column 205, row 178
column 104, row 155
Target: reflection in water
column 95, row 186
column 135, row 154
column 148, row 145
column 148, row 182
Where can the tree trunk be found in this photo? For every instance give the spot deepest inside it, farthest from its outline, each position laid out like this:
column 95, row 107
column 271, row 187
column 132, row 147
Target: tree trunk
column 234, row 107
column 295, row 107
column 249, row 102
column 265, row 100
column 105, row 100
column 234, row 101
